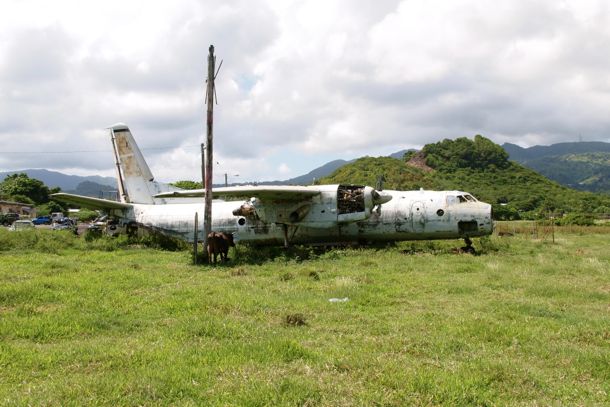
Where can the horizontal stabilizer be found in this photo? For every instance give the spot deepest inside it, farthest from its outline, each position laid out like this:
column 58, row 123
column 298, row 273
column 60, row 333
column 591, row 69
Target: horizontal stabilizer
column 89, row 202
column 280, row 193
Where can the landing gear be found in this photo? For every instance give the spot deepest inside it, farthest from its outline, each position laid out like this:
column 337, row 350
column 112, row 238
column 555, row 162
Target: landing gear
column 132, row 229
column 286, row 241
column 468, row 248
column 289, row 232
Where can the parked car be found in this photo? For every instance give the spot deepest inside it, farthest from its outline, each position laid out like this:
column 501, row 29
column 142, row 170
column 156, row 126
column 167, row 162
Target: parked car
column 22, row 224
column 98, row 224
column 65, row 224
column 42, row 220
column 7, row 219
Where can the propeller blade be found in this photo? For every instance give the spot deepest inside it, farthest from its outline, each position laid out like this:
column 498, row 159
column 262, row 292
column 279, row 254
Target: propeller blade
column 379, row 197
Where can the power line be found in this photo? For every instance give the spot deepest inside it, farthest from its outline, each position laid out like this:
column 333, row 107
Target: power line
column 92, row 151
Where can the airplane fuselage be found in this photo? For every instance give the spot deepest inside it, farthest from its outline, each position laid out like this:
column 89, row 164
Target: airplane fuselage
column 274, row 215
column 409, row 215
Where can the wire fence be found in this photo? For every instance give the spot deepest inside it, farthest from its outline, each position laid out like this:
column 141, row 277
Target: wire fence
column 546, row 229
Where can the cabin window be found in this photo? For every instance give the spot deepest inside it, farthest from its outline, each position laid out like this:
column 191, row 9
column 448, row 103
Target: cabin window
column 462, row 199
column 350, row 199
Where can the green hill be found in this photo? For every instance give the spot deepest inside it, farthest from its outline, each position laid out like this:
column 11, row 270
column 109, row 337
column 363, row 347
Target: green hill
column 584, row 166
column 478, row 166
column 586, row 171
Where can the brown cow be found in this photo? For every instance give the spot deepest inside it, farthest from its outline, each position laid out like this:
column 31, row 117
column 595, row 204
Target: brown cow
column 219, row 243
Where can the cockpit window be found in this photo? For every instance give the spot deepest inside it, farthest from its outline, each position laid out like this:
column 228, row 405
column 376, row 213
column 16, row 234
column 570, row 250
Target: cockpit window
column 455, row 199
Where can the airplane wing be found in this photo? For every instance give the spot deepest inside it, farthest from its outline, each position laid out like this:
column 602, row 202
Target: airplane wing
column 89, row 202
column 276, row 193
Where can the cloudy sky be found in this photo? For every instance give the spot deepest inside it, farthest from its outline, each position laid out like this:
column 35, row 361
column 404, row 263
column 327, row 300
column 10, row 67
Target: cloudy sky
column 302, row 82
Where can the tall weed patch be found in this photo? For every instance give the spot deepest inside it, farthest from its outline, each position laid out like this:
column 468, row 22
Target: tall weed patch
column 44, row 241
column 53, row 241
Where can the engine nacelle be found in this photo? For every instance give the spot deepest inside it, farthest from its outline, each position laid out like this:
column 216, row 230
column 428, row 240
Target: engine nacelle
column 356, row 202
column 335, row 204
column 246, row 210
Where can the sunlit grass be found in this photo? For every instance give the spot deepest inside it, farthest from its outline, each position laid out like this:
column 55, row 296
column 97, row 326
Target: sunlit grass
column 525, row 322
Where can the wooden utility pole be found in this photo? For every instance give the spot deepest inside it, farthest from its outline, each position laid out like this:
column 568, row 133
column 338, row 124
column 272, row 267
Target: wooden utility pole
column 209, row 158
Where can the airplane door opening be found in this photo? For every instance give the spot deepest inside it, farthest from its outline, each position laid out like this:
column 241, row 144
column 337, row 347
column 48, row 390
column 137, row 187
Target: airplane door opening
column 466, row 227
column 418, row 216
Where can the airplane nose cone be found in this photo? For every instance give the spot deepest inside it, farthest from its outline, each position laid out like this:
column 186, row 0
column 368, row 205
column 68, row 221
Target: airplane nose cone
column 489, row 220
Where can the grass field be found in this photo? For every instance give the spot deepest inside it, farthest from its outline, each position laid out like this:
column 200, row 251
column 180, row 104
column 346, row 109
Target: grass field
column 526, row 322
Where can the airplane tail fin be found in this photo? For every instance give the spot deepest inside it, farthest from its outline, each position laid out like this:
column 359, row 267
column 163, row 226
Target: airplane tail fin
column 135, row 180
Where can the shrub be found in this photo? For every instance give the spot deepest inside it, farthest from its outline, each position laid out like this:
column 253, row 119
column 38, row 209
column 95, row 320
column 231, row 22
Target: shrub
column 44, row 241
column 314, row 275
column 84, row 215
column 286, row 276
column 106, row 243
column 161, row 241
column 580, row 219
column 505, row 212
column 295, row 320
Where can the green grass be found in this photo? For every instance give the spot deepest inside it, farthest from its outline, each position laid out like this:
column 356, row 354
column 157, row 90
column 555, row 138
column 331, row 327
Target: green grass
column 524, row 323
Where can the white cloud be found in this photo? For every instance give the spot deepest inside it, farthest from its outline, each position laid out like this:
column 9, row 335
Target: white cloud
column 314, row 79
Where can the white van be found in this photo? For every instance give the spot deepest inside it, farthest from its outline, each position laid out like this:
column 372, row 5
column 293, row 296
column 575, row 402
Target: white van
column 57, row 216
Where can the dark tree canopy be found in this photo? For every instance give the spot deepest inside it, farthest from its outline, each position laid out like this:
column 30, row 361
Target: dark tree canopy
column 16, row 185
column 480, row 153
column 50, row 207
column 187, row 184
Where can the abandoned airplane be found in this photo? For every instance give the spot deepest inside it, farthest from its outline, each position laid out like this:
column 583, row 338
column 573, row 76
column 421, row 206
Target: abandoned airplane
column 275, row 215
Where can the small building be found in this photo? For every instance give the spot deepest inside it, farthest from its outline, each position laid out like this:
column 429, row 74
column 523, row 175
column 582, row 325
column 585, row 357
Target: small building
column 20, row 208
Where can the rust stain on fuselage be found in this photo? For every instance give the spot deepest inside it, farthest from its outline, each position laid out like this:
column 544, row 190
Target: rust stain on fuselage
column 129, row 164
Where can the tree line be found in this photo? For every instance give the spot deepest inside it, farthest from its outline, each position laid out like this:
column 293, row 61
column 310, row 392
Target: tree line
column 23, row 189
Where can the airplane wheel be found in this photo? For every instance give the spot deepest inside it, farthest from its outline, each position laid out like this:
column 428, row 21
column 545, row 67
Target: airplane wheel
column 469, row 250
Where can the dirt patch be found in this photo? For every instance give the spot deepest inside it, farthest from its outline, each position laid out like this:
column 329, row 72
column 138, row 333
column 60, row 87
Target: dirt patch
column 295, row 320
column 419, row 161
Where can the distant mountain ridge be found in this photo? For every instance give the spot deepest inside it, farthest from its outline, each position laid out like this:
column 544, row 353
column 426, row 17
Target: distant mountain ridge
column 580, row 165
column 97, row 186
column 324, row 171
column 94, row 185
column 318, row 173
column 518, row 153
column 311, row 176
